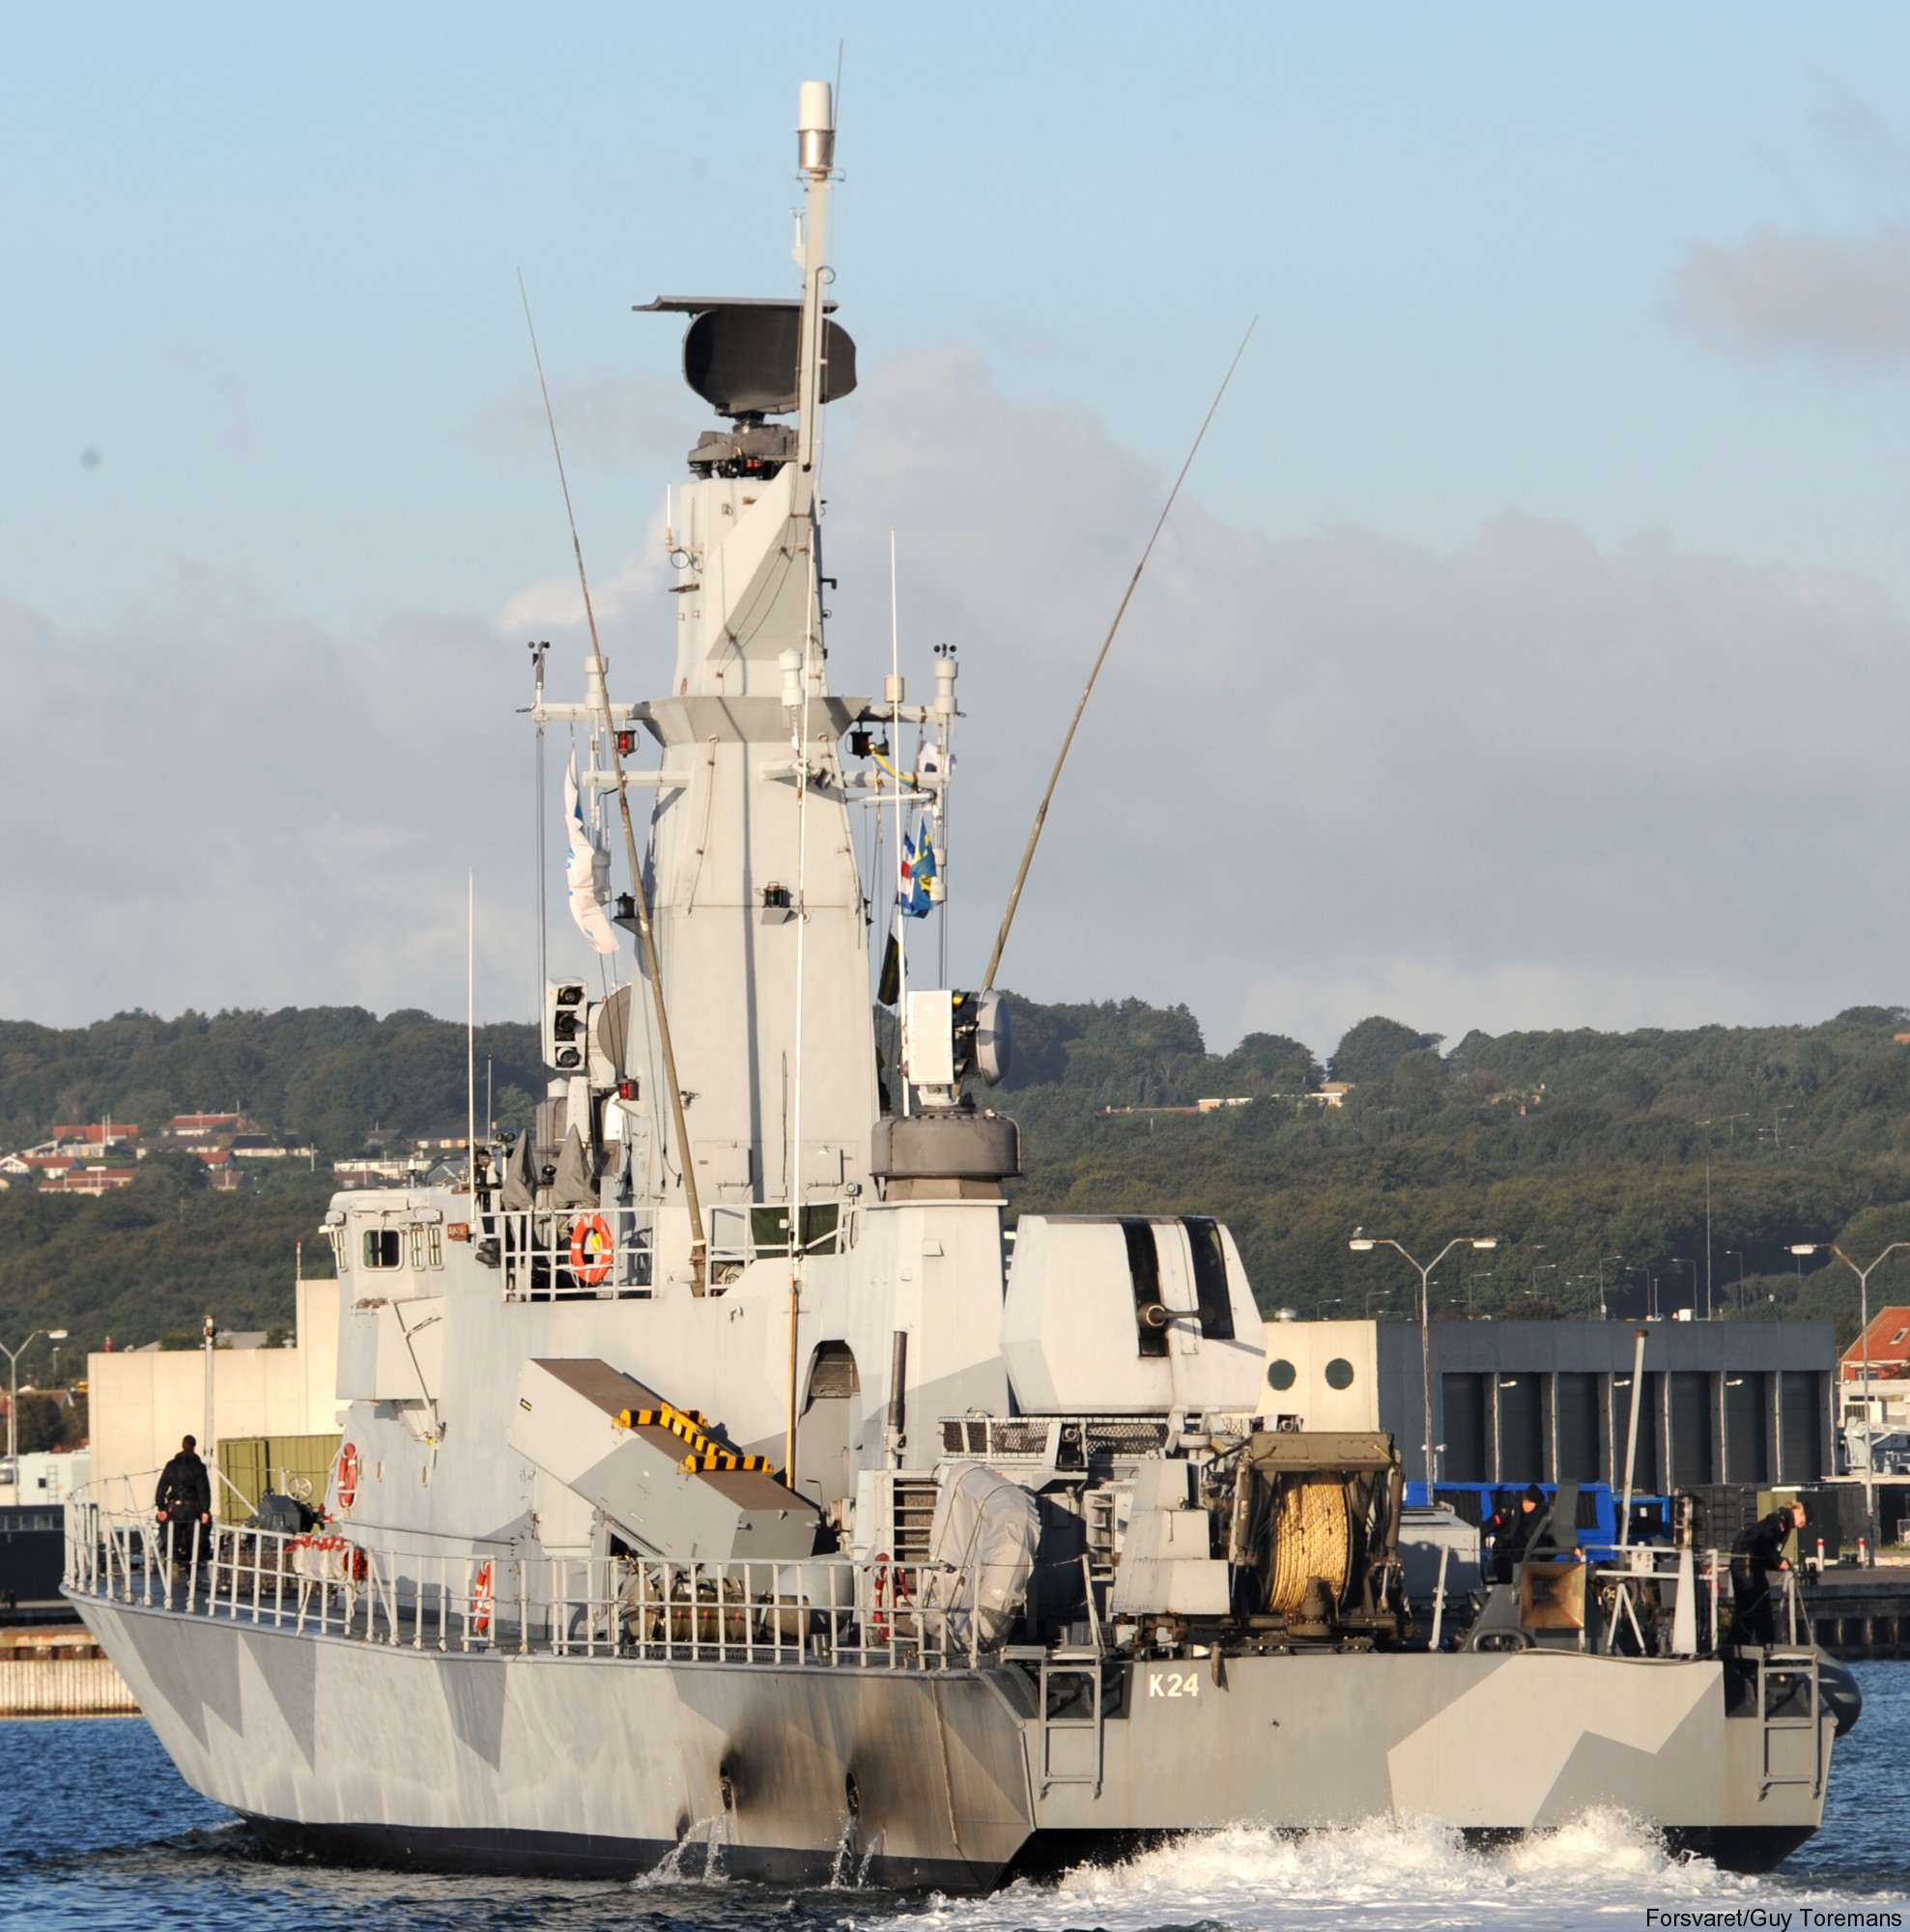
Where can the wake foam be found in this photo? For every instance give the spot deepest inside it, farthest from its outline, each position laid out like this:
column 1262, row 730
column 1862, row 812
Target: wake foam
column 1407, row 1873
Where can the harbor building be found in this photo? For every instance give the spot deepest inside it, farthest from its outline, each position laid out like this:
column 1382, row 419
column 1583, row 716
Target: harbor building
column 1520, row 1402
column 142, row 1401
column 1874, row 1373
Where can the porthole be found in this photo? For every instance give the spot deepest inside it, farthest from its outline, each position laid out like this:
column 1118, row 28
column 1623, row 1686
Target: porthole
column 1280, row 1375
column 1339, row 1373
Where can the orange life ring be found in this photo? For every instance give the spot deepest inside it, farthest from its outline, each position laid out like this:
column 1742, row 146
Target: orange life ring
column 890, row 1590
column 590, row 1249
column 878, row 1618
column 348, row 1476
column 480, row 1600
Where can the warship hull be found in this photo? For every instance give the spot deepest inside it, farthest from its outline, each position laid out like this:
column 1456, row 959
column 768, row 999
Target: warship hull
column 951, row 1779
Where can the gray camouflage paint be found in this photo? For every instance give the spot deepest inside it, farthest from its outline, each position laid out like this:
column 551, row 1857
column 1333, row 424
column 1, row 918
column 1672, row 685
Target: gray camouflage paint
column 598, row 1764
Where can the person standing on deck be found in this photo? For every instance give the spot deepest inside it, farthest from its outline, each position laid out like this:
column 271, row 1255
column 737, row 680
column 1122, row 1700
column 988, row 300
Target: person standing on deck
column 1757, row 1551
column 183, row 1503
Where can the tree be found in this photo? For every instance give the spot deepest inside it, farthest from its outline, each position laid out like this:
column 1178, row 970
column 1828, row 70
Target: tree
column 171, row 1173
column 1269, row 1062
column 1371, row 1049
column 39, row 1424
column 515, row 1111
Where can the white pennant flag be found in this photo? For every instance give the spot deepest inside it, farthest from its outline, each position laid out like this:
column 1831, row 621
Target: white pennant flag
column 586, row 872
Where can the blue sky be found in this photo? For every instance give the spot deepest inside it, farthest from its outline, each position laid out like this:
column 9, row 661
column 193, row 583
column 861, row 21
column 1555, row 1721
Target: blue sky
column 1639, row 276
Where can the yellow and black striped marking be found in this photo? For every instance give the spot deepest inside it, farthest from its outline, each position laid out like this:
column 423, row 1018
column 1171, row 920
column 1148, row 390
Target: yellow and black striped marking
column 705, row 1452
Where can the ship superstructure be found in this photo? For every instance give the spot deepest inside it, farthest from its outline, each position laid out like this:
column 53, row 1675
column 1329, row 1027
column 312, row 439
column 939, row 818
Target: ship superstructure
column 711, row 1479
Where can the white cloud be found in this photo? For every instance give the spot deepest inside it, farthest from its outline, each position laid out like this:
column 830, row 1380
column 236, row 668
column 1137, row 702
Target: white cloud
column 1852, row 131
column 214, row 803
column 557, row 603
column 1842, row 300
column 606, row 420
column 1532, row 781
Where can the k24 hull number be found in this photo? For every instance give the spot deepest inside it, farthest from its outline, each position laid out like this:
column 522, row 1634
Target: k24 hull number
column 1173, row 1684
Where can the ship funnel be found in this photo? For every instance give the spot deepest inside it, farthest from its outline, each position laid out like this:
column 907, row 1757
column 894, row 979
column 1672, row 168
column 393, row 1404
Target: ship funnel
column 815, row 129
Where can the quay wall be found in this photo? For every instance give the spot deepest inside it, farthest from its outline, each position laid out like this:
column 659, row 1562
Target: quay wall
column 59, row 1673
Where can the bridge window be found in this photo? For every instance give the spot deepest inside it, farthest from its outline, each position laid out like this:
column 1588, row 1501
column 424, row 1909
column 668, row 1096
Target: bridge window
column 381, row 1248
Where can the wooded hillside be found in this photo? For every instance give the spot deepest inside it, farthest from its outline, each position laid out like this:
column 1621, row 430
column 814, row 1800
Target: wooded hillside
column 1569, row 1147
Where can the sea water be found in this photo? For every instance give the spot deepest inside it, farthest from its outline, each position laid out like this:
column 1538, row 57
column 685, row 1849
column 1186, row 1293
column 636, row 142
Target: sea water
column 99, row 1832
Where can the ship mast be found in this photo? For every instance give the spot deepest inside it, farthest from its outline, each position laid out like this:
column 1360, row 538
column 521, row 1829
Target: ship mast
column 816, row 140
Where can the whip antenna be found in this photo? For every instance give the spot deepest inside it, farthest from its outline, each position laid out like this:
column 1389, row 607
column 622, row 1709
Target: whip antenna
column 1088, row 691
column 647, row 939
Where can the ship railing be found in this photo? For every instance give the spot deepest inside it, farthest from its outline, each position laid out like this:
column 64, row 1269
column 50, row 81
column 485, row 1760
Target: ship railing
column 569, row 1254
column 826, row 1613
column 1058, row 1441
column 1641, row 1579
column 1711, row 1582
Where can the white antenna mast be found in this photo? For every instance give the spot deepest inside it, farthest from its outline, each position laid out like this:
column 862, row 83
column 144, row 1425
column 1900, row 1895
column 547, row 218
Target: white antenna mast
column 595, row 671
column 900, row 925
column 471, row 1033
column 815, row 148
column 537, row 654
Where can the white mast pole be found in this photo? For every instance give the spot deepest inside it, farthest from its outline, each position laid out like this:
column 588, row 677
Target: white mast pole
column 471, row 1033
column 793, row 1153
column 816, row 140
column 900, row 927
column 543, row 936
column 815, row 146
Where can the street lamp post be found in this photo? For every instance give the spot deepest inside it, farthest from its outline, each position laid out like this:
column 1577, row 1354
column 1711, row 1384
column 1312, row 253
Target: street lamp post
column 1360, row 1245
column 1684, row 1262
column 13, row 1356
column 1643, row 1272
column 1734, row 1254
column 1862, row 1274
column 1650, row 1292
column 1601, row 1260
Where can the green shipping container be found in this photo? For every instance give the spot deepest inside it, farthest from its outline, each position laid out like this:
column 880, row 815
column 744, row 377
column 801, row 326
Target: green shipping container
column 291, row 1465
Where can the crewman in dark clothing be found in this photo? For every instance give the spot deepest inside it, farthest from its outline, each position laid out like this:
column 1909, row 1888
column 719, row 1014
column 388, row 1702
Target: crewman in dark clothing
column 1757, row 1551
column 1512, row 1527
column 184, row 1499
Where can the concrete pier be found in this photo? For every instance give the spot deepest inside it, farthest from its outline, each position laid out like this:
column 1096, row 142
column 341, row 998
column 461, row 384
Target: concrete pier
column 1856, row 1614
column 59, row 1672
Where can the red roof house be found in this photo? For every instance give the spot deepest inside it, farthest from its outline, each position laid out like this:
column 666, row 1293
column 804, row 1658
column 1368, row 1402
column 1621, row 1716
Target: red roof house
column 1887, row 1343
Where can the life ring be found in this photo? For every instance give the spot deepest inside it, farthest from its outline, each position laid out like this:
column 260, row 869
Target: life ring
column 878, row 1616
column 889, row 1589
column 590, row 1249
column 480, row 1600
column 348, row 1476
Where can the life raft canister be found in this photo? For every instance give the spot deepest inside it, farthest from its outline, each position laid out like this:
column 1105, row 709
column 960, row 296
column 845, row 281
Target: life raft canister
column 348, row 1476
column 590, row 1249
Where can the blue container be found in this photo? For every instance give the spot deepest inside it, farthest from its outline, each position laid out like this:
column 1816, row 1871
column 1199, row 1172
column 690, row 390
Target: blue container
column 1598, row 1509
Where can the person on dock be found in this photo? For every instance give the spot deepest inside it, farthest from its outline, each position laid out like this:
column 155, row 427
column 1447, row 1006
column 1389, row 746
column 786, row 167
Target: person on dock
column 1756, row 1552
column 183, row 1504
